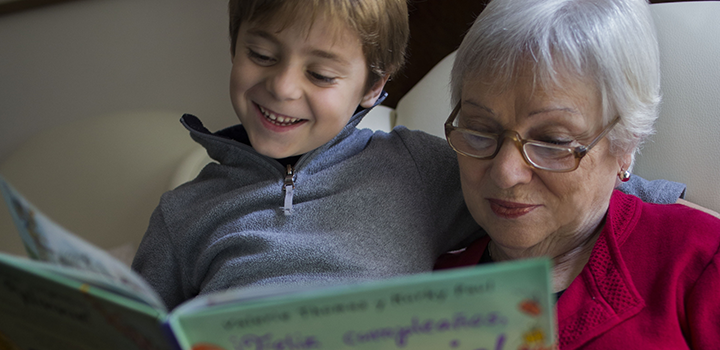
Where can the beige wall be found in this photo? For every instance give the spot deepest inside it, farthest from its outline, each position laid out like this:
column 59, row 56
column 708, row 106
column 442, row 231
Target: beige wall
column 68, row 71
column 87, row 58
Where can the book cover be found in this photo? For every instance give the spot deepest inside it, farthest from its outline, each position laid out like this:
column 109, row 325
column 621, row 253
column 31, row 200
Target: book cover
column 500, row 306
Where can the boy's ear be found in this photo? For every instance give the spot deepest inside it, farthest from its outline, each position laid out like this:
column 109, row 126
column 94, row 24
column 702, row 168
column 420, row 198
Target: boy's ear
column 373, row 93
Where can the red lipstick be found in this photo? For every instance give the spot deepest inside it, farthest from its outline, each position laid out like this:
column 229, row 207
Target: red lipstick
column 510, row 210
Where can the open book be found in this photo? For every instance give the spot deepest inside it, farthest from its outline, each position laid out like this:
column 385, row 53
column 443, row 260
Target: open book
column 73, row 295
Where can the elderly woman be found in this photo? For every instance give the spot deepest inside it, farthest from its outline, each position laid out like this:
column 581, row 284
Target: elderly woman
column 554, row 98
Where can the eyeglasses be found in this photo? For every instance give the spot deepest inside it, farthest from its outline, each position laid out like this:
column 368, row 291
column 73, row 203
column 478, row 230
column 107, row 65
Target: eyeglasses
column 537, row 154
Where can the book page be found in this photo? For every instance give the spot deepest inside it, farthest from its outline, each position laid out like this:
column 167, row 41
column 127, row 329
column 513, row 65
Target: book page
column 495, row 306
column 47, row 241
column 42, row 309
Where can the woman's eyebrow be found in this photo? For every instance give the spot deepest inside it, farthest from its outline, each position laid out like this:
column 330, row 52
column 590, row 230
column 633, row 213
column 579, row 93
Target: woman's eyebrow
column 479, row 105
column 553, row 109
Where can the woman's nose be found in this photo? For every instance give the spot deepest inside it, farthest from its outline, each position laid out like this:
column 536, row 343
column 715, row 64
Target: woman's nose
column 284, row 83
column 509, row 168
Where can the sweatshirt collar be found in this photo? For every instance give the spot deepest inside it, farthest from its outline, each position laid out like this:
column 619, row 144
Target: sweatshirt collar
column 218, row 144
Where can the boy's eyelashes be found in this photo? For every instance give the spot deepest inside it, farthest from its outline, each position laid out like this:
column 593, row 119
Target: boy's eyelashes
column 321, row 78
column 260, row 59
column 266, row 61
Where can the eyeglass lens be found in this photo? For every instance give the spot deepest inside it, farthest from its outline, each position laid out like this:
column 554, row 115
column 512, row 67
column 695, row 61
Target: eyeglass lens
column 541, row 155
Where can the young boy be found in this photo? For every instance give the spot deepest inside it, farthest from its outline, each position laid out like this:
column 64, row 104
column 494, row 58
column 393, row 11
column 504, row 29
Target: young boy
column 299, row 195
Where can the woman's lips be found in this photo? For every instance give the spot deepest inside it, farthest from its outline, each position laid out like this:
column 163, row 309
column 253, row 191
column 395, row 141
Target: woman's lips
column 510, row 210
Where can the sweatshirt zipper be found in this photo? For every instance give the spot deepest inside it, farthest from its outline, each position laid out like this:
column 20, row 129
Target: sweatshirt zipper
column 289, row 181
column 288, row 188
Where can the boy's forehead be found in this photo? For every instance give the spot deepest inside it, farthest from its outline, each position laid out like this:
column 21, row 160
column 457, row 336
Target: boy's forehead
column 331, row 28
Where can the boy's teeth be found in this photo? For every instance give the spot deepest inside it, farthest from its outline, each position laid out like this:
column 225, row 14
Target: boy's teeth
column 278, row 120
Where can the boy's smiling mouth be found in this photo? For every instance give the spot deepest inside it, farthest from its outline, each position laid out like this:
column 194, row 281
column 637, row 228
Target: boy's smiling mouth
column 278, row 120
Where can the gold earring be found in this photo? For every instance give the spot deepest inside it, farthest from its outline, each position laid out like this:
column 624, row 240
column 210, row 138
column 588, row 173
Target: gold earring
column 624, row 175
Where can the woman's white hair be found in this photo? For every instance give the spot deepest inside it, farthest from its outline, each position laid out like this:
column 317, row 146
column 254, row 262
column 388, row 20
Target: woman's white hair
column 611, row 42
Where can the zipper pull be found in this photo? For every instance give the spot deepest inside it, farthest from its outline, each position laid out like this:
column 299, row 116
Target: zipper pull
column 288, row 187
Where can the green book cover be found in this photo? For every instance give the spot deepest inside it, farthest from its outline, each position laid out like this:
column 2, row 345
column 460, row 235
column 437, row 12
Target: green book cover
column 498, row 306
column 76, row 296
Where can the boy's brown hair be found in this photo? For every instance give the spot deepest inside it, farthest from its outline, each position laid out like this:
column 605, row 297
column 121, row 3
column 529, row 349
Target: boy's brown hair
column 382, row 25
